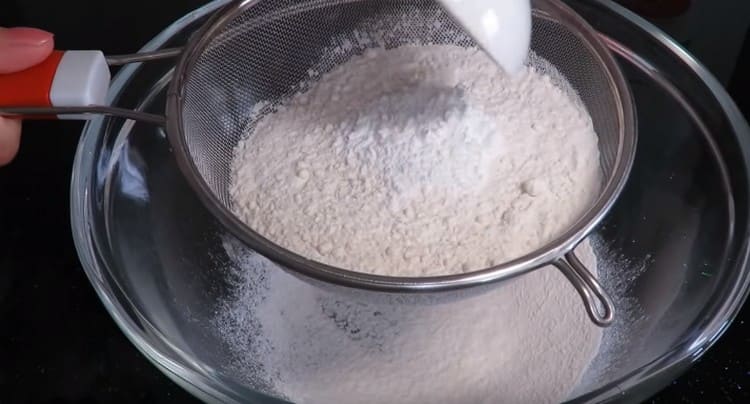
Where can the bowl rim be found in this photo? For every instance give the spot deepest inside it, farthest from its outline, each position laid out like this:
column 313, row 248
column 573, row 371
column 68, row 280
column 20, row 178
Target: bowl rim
column 196, row 378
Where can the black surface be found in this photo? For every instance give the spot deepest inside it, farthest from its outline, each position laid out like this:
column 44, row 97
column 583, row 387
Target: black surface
column 58, row 344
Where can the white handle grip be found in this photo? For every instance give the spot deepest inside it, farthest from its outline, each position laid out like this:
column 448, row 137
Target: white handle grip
column 81, row 80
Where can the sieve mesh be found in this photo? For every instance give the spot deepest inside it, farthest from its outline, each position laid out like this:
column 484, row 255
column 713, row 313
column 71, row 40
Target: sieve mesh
column 266, row 51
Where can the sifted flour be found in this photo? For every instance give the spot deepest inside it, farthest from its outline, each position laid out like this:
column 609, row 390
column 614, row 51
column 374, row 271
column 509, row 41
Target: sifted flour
column 526, row 341
column 421, row 160
column 414, row 161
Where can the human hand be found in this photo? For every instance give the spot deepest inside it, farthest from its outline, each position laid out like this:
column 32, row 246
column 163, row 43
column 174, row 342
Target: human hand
column 20, row 48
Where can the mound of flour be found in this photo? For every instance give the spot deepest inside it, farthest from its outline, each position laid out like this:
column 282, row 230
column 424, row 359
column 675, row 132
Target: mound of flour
column 414, row 161
column 526, row 341
column 420, row 160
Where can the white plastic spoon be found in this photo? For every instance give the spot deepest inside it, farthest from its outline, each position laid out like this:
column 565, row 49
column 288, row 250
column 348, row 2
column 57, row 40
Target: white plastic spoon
column 501, row 27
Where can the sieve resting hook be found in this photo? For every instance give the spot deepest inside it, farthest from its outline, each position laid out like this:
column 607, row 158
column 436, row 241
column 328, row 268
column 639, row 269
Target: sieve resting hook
column 598, row 304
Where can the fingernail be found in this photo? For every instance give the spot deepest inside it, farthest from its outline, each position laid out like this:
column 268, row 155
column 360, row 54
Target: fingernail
column 25, row 37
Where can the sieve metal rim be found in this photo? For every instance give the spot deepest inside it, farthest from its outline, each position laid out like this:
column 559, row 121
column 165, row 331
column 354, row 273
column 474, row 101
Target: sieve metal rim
column 558, row 252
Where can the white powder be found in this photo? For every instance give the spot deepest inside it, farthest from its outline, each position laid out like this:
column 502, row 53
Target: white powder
column 527, row 340
column 419, row 161
column 414, row 161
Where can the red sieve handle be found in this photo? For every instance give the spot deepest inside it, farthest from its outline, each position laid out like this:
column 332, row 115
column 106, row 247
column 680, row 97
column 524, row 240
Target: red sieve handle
column 64, row 79
column 30, row 87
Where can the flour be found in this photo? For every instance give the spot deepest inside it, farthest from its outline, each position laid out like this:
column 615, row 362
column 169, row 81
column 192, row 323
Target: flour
column 527, row 340
column 419, row 161
column 414, row 161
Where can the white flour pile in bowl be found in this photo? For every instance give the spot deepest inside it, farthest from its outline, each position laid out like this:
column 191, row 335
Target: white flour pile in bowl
column 526, row 341
column 419, row 161
column 415, row 161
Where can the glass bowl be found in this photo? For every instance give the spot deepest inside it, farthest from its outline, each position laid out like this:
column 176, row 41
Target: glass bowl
column 674, row 245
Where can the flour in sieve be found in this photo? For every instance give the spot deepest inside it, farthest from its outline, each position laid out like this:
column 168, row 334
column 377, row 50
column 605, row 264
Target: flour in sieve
column 419, row 160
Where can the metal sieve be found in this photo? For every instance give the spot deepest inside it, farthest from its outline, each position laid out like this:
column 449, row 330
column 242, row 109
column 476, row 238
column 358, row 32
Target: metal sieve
column 254, row 51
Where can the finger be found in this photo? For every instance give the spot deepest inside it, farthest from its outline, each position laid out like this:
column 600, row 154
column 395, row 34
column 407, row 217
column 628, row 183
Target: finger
column 10, row 139
column 22, row 48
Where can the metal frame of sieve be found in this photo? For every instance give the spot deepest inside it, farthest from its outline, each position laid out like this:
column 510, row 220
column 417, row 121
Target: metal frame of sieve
column 558, row 252
column 612, row 95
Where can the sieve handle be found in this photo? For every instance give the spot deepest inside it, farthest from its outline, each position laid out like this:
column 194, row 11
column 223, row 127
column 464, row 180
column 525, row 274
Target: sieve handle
column 64, row 79
column 70, row 85
column 597, row 302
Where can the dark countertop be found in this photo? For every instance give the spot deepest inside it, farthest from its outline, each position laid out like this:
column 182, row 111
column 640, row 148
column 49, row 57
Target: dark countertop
column 57, row 342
